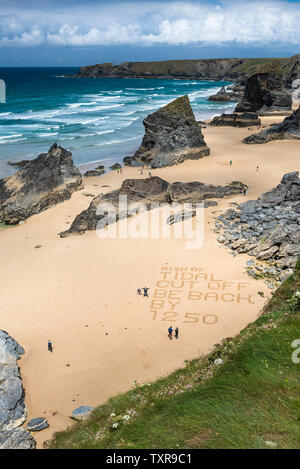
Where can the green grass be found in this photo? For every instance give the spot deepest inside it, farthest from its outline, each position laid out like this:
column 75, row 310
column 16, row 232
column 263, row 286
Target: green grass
column 250, row 399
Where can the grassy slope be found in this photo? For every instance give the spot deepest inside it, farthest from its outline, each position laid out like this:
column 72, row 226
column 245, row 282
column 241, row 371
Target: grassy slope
column 253, row 397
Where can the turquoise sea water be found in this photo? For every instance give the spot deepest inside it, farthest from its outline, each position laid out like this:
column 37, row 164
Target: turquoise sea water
column 98, row 120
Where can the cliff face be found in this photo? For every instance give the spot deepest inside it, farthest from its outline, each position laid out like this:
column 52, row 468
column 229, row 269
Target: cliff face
column 211, row 69
column 202, row 69
column 265, row 90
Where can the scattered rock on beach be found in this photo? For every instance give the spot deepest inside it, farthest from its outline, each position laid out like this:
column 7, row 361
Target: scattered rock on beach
column 172, row 135
column 115, row 166
column 237, row 120
column 82, row 412
column 95, row 172
column 37, row 424
column 45, row 181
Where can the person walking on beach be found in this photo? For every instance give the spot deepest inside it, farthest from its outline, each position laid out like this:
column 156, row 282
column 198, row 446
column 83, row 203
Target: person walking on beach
column 170, row 332
column 146, row 291
column 230, row 162
column 139, row 291
column 176, row 333
column 150, row 175
column 245, row 190
column 257, row 168
column 50, row 348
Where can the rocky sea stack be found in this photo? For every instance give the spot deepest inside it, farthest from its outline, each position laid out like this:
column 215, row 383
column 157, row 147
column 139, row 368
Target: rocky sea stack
column 45, row 181
column 172, row 135
column 265, row 90
column 146, row 191
column 244, row 119
column 288, row 129
column 267, row 228
column 226, row 96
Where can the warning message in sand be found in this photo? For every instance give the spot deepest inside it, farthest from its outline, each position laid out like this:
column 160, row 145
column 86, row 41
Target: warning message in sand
column 180, row 291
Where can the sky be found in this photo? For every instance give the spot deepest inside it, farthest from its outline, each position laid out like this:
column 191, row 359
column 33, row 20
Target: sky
column 83, row 32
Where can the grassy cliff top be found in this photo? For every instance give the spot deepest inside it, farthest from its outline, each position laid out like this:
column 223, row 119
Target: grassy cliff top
column 250, row 400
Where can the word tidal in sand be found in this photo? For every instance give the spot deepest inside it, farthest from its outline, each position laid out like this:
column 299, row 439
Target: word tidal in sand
column 179, row 284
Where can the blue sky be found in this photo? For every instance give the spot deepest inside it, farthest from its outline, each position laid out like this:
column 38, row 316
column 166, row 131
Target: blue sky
column 77, row 32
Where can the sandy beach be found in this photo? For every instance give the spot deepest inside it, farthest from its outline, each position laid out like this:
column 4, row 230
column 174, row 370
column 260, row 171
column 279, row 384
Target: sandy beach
column 81, row 292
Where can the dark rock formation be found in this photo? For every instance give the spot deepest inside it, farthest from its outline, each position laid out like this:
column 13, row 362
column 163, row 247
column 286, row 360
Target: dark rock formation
column 195, row 192
column 265, row 90
column 12, row 407
column 131, row 161
column 95, row 172
column 18, row 438
column 146, row 192
column 115, row 166
column 18, row 164
column 267, row 228
column 172, row 135
column 291, row 70
column 37, row 424
column 45, row 181
column 82, row 412
column 224, row 96
column 288, row 129
column 245, row 119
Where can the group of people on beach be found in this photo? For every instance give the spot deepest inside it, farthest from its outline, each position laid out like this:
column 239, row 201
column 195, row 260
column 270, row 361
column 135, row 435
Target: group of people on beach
column 145, row 289
column 170, row 333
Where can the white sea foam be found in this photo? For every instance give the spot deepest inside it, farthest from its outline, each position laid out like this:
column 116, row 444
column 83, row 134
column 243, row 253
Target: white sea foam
column 10, row 136
column 12, row 141
column 118, row 141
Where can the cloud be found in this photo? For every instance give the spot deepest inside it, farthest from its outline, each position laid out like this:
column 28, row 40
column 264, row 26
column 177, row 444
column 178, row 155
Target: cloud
column 33, row 38
column 155, row 23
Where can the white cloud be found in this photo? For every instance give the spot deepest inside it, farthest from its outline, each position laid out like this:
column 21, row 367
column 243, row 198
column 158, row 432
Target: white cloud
column 146, row 23
column 33, row 38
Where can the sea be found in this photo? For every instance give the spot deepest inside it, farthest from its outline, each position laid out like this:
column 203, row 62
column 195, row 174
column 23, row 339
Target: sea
column 100, row 120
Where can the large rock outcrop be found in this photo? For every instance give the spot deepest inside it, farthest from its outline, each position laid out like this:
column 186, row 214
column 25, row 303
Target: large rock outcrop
column 265, row 90
column 288, row 129
column 244, row 119
column 267, row 228
column 172, row 135
column 45, row 181
column 226, row 96
column 12, row 407
column 147, row 192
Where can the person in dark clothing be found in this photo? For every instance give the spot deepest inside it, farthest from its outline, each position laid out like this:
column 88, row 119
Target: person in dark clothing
column 146, row 291
column 170, row 332
column 50, row 348
column 176, row 333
